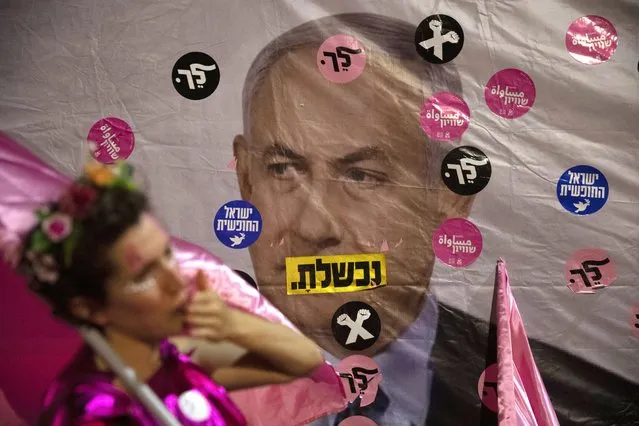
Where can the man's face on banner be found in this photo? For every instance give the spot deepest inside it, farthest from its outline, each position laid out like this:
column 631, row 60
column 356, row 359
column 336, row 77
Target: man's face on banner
column 338, row 169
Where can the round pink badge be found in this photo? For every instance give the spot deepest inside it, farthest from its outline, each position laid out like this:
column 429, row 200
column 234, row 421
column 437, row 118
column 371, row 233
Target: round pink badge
column 445, row 116
column 589, row 270
column 341, row 59
column 487, row 387
column 357, row 421
column 457, row 242
column 634, row 320
column 591, row 40
column 361, row 377
column 111, row 139
column 510, row 93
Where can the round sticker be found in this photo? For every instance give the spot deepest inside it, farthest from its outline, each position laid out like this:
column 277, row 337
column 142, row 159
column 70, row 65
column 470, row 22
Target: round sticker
column 246, row 277
column 582, row 190
column 357, row 421
column 341, row 59
column 487, row 387
column 589, row 270
column 591, row 40
column 194, row 406
column 510, row 93
column 361, row 377
column 466, row 170
column 237, row 224
column 356, row 326
column 457, row 242
column 196, row 76
column 634, row 320
column 445, row 116
column 111, row 139
column 439, row 39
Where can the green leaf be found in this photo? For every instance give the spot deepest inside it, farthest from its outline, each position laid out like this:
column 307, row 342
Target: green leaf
column 70, row 243
column 39, row 242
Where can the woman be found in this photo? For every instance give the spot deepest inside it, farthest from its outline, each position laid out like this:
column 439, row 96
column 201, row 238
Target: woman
column 100, row 258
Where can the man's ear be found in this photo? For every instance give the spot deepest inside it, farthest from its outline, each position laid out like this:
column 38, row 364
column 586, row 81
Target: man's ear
column 241, row 153
column 454, row 205
column 87, row 310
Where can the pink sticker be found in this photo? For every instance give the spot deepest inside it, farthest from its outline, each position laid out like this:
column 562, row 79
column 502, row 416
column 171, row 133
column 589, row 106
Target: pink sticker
column 634, row 320
column 445, row 116
column 357, row 421
column 591, row 40
column 589, row 270
column 510, row 93
column 111, row 139
column 341, row 59
column 361, row 377
column 457, row 242
column 487, row 387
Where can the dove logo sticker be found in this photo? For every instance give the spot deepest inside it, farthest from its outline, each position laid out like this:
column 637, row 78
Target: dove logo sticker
column 582, row 190
column 439, row 39
column 237, row 224
column 356, row 326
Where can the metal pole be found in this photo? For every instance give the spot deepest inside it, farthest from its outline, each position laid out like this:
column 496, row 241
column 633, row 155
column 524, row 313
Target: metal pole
column 142, row 391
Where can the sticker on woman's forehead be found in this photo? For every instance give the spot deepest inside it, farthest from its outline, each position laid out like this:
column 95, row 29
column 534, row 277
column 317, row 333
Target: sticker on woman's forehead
column 487, row 387
column 589, row 270
column 361, row 377
column 444, row 116
column 633, row 320
column 237, row 224
column 591, row 40
column 341, row 59
column 466, row 170
column 357, row 421
column 111, row 139
column 457, row 242
column 510, row 93
column 582, row 190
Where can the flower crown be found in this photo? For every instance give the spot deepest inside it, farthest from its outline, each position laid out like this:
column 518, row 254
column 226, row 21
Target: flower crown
column 62, row 227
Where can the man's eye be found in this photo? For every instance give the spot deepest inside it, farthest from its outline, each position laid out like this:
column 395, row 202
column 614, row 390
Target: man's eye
column 364, row 176
column 281, row 170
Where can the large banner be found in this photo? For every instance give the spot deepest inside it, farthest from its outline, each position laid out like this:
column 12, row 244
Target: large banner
column 366, row 163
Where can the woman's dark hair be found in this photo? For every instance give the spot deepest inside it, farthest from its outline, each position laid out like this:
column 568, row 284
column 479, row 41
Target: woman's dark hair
column 113, row 212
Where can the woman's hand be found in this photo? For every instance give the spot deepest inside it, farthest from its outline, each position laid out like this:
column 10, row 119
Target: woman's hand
column 207, row 315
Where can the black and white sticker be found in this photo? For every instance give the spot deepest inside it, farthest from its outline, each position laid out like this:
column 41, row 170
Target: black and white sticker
column 356, row 326
column 466, row 170
column 439, row 39
column 196, row 76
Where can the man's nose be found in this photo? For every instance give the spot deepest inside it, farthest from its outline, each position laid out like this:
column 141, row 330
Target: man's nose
column 317, row 222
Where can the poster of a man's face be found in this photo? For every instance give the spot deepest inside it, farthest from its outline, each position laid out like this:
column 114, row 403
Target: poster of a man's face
column 341, row 168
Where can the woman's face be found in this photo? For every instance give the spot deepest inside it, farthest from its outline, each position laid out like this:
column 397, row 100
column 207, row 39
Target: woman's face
column 146, row 295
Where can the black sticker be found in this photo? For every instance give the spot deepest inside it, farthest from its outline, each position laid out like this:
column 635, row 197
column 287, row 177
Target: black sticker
column 439, row 39
column 246, row 277
column 356, row 326
column 196, row 76
column 466, row 170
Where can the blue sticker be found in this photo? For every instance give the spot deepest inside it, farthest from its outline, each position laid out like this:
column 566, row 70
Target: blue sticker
column 237, row 224
column 582, row 190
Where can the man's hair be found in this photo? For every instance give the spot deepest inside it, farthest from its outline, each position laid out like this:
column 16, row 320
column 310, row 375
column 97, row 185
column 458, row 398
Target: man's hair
column 390, row 36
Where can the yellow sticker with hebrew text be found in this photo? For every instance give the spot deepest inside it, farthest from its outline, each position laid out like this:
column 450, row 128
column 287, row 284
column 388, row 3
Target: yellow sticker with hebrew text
column 335, row 274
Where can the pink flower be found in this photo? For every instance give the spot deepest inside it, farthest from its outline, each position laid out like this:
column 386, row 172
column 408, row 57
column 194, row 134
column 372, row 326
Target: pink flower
column 57, row 227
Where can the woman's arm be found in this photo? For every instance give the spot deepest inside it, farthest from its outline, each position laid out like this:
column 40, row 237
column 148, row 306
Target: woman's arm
column 273, row 353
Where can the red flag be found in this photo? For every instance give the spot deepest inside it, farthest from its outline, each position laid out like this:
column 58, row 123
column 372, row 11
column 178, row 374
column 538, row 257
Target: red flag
column 522, row 396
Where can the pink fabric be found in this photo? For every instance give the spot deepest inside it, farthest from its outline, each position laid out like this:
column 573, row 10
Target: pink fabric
column 521, row 394
column 46, row 344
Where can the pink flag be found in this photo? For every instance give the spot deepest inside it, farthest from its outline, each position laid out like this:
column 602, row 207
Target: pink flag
column 522, row 396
